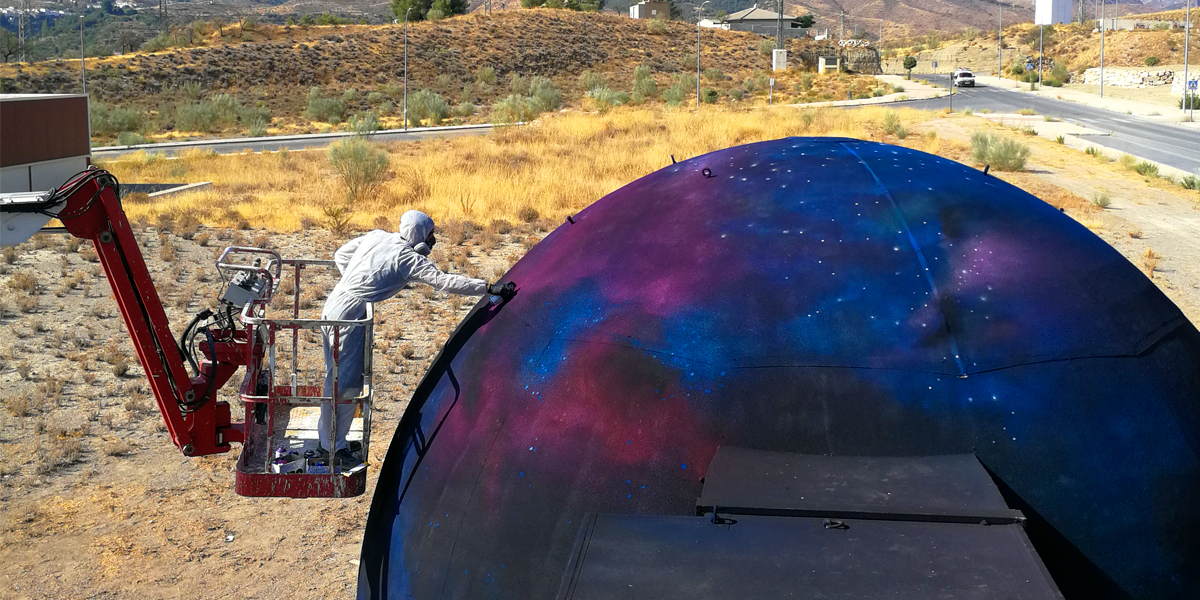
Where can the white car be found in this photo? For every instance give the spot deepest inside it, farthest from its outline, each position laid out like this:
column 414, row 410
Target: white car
column 962, row 78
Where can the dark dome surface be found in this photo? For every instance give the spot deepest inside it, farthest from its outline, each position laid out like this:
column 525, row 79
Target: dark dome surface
column 811, row 295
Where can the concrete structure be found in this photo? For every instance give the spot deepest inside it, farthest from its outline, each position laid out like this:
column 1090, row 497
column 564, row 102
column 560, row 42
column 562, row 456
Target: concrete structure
column 779, row 60
column 761, row 21
column 828, row 64
column 44, row 140
column 1052, row 12
column 647, row 9
column 1131, row 24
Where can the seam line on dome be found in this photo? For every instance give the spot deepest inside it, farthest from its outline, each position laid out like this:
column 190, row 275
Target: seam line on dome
column 962, row 371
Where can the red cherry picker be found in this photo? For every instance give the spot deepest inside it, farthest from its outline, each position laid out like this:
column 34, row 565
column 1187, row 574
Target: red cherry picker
column 279, row 455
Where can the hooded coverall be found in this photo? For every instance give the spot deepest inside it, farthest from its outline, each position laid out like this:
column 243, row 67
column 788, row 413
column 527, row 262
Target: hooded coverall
column 375, row 267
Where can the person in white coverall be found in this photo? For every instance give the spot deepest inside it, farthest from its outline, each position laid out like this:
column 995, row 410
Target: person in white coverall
column 376, row 267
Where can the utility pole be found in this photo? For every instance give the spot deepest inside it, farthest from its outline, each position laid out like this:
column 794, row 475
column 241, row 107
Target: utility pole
column 1101, row 48
column 406, row 68
column 1041, row 53
column 699, row 13
column 162, row 15
column 778, row 29
column 842, row 26
column 1000, row 42
column 1188, row 97
column 82, row 67
column 21, row 16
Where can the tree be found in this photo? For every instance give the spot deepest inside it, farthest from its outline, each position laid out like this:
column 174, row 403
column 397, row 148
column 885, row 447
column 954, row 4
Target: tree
column 9, row 46
column 910, row 63
column 806, row 21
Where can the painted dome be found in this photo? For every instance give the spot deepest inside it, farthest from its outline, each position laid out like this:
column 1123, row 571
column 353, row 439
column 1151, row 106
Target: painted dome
column 809, row 295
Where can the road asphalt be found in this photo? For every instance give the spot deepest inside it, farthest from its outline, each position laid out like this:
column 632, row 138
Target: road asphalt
column 291, row 142
column 1164, row 143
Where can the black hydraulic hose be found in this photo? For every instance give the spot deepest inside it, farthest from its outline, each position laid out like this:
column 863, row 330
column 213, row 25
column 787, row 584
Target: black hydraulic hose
column 185, row 339
column 212, row 373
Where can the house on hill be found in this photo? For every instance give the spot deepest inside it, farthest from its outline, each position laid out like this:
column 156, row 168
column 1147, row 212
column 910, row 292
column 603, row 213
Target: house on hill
column 760, row 21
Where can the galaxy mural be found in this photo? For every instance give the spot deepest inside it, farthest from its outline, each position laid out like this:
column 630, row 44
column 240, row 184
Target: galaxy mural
column 810, row 295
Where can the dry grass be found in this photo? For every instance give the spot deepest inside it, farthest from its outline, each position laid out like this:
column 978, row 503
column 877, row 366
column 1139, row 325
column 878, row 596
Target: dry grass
column 548, row 170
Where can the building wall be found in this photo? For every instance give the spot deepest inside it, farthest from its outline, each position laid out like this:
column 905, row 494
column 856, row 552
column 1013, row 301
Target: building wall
column 40, row 176
column 650, row 10
column 1052, row 12
column 41, row 127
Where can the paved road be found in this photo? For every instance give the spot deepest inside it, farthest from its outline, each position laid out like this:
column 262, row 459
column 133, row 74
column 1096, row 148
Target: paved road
column 1164, row 143
column 292, row 142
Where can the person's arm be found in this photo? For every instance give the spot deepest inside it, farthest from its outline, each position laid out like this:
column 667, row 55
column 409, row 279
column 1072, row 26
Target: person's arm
column 343, row 255
column 426, row 272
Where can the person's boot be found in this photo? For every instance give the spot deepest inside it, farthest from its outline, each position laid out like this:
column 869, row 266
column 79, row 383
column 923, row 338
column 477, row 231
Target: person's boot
column 346, row 459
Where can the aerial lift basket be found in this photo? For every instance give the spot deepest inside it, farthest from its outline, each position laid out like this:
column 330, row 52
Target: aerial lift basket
column 281, row 455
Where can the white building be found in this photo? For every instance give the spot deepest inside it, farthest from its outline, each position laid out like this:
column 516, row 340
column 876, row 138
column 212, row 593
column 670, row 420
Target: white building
column 1051, row 12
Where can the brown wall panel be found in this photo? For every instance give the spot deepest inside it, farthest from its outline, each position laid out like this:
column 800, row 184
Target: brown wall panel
column 33, row 130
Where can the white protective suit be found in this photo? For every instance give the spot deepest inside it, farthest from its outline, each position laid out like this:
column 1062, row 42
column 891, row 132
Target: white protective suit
column 375, row 267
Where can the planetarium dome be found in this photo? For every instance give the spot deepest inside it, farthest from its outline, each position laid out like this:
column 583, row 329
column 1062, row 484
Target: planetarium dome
column 813, row 296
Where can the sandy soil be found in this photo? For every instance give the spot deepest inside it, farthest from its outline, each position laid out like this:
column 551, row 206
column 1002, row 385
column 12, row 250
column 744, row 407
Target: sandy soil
column 95, row 502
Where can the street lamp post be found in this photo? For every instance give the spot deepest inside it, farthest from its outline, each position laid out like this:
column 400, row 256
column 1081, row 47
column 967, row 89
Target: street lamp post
column 699, row 13
column 1188, row 100
column 1101, row 48
column 406, row 68
column 1041, row 53
column 1000, row 42
column 82, row 67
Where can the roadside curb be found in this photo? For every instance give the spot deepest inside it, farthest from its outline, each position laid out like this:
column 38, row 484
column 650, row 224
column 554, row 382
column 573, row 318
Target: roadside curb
column 282, row 138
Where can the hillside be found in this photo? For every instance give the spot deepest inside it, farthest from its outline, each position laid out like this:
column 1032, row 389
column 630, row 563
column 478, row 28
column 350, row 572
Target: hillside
column 470, row 61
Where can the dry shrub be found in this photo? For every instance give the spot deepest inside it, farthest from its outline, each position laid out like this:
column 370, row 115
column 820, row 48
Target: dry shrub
column 18, row 405
column 201, row 239
column 1135, row 234
column 1150, row 262
column 9, row 254
column 136, row 198
column 163, row 223
column 120, row 366
column 28, row 304
column 167, row 252
column 528, row 214
column 118, row 447
column 187, row 226
column 407, row 351
column 382, row 222
column 136, row 403
column 23, row 282
column 59, row 451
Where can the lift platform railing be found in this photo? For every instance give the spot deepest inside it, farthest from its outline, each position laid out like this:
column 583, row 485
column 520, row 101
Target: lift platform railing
column 272, row 462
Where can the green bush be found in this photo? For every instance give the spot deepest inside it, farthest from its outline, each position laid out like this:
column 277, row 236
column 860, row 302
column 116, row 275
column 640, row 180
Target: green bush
column 644, row 88
column 129, row 138
column 546, row 97
column 375, row 98
column 709, row 96
column 806, row 82
column 896, row 89
column 1003, row 154
column 360, row 165
column 765, row 46
column 656, row 26
column 486, row 75
column 518, row 85
column 714, row 75
column 364, row 124
column 1151, row 61
column 427, row 105
column 258, row 128
column 1191, row 182
column 464, row 110
column 318, row 108
column 1146, row 168
column 350, row 95
column 675, row 95
column 737, row 93
column 605, row 98
column 1128, row 161
column 590, row 80
column 157, row 43
column 891, row 122
column 1017, row 70
column 1101, row 199
column 511, row 110
column 106, row 121
column 1190, row 101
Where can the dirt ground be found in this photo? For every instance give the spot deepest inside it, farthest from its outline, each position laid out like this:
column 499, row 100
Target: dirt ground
column 95, row 502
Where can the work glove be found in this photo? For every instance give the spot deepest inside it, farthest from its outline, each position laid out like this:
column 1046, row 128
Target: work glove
column 505, row 290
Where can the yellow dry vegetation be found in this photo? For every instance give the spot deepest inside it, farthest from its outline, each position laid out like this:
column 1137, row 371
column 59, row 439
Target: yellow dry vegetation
column 555, row 166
